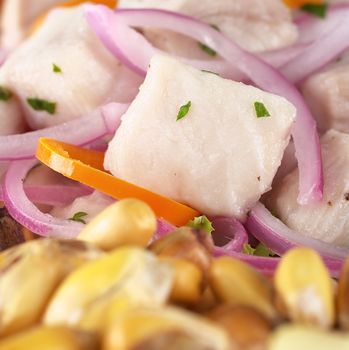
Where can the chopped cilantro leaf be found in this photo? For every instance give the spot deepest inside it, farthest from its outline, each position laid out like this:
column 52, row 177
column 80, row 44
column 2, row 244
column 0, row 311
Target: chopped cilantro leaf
column 201, row 223
column 42, row 105
column 56, row 68
column 183, row 110
column 79, row 217
column 247, row 249
column 5, row 94
column 207, row 49
column 318, row 10
column 261, row 110
column 260, row 250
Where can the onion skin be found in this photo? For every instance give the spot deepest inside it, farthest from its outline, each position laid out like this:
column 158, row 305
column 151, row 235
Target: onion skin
column 85, row 130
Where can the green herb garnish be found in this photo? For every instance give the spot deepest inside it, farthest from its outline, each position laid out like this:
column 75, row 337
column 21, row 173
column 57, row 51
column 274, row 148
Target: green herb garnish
column 79, row 217
column 260, row 250
column 207, row 49
column 318, row 10
column 183, row 110
column 42, row 105
column 261, row 110
column 5, row 94
column 201, row 223
column 247, row 249
column 56, row 68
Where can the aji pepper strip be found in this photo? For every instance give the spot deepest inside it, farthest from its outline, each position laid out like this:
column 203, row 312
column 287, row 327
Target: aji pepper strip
column 86, row 166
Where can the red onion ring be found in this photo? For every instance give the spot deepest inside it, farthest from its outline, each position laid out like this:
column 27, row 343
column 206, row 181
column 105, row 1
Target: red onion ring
column 322, row 51
column 55, row 195
column 279, row 238
column 103, row 121
column 228, row 228
column 163, row 229
column 111, row 27
column 25, row 212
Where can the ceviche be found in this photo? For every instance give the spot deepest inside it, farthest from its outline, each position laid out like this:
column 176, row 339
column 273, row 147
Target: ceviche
column 174, row 153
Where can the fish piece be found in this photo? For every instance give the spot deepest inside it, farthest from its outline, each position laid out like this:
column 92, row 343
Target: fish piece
column 328, row 220
column 11, row 117
column 327, row 94
column 17, row 17
column 219, row 158
column 255, row 25
column 87, row 77
column 91, row 205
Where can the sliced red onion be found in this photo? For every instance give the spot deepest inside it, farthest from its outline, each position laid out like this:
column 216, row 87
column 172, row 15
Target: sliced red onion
column 55, row 195
column 113, row 27
column 279, row 238
column 311, row 28
column 163, row 229
column 279, row 58
column 322, row 51
column 139, row 63
column 103, row 121
column 25, row 212
column 268, row 265
column 229, row 234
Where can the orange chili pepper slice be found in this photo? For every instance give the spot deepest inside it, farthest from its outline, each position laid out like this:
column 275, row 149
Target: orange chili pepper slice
column 299, row 3
column 39, row 21
column 86, row 166
column 109, row 3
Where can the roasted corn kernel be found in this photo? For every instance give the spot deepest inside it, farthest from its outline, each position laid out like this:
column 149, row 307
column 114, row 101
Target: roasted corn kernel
column 304, row 288
column 247, row 327
column 188, row 282
column 50, row 338
column 237, row 283
column 292, row 337
column 126, row 277
column 127, row 222
column 164, row 328
column 186, row 243
column 30, row 273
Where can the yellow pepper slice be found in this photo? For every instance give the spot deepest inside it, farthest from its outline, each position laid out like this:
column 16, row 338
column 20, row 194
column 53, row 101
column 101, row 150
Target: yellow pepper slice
column 86, row 166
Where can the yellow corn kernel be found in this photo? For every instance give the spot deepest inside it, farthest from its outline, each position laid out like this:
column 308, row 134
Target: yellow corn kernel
column 237, row 283
column 30, row 272
column 50, row 338
column 87, row 294
column 186, row 243
column 304, row 288
column 291, row 337
column 163, row 328
column 188, row 281
column 127, row 222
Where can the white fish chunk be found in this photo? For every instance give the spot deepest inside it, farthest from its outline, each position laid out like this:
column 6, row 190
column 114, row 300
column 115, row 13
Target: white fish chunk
column 90, row 76
column 219, row 158
column 327, row 221
column 91, row 204
column 327, row 94
column 253, row 24
column 17, row 17
column 11, row 117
